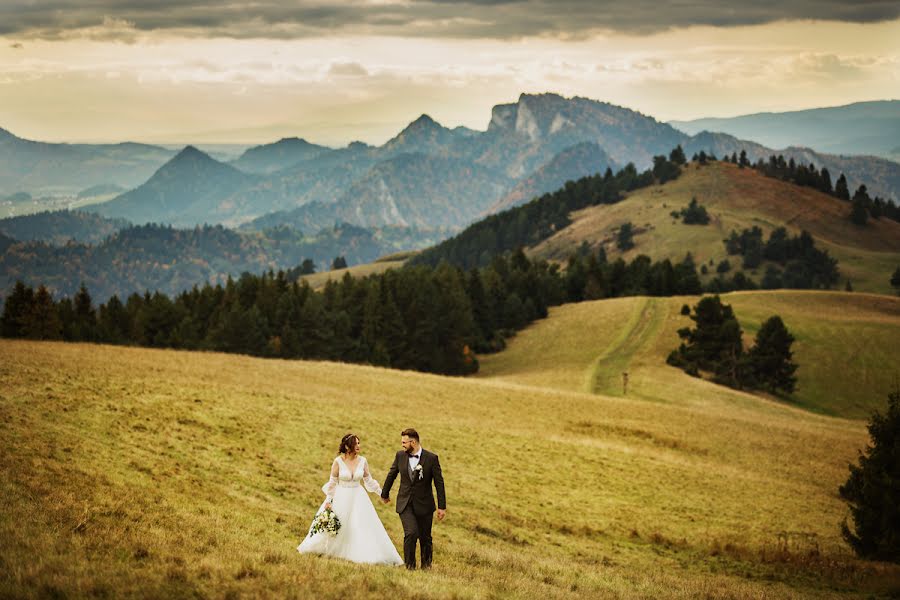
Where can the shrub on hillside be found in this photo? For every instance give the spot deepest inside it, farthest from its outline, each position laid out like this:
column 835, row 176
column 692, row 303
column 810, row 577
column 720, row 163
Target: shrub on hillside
column 625, row 237
column 873, row 489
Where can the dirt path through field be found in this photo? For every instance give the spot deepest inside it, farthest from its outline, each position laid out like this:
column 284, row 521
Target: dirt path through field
column 606, row 373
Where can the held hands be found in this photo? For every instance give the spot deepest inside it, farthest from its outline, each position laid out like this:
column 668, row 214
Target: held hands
column 328, row 506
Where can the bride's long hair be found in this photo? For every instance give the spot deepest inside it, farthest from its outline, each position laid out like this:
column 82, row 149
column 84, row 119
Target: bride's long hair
column 347, row 443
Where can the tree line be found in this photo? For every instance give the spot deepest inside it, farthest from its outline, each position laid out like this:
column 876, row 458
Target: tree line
column 802, row 265
column 862, row 206
column 432, row 319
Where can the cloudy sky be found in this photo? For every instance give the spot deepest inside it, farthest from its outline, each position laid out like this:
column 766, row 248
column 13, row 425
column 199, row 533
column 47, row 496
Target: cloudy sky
column 246, row 71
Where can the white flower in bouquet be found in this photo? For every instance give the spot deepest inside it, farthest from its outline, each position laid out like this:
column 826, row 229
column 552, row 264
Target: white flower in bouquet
column 327, row 522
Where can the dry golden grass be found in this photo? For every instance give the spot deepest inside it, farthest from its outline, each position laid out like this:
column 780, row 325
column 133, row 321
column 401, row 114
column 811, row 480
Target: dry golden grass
column 318, row 280
column 736, row 199
column 151, row 473
column 845, row 346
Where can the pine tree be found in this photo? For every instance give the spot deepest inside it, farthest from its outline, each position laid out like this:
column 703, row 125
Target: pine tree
column 841, row 190
column 85, row 328
column 17, row 311
column 769, row 361
column 872, row 490
column 715, row 344
column 677, row 155
column 44, row 323
column 625, row 237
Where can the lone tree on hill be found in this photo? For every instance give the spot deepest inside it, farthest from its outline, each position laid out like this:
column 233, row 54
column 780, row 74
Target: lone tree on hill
column 339, row 262
column 768, row 364
column 841, row 190
column 714, row 345
column 859, row 213
column 873, row 489
column 695, row 214
column 895, row 280
column 625, row 239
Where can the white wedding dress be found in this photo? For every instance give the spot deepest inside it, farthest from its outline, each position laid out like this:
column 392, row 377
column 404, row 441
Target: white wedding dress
column 362, row 537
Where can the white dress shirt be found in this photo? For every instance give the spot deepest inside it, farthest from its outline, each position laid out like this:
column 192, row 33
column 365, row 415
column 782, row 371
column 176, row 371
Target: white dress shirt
column 414, row 460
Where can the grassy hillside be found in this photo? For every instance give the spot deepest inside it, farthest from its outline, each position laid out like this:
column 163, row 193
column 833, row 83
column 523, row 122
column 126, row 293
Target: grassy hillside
column 137, row 472
column 318, row 280
column 736, row 199
column 846, row 348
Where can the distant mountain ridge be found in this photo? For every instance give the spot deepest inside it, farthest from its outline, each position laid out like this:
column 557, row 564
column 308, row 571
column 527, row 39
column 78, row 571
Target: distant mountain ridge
column 529, row 147
column 860, row 128
column 269, row 158
column 190, row 189
column 47, row 168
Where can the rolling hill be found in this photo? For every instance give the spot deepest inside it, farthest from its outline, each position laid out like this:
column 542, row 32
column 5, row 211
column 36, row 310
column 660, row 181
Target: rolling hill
column 844, row 348
column 139, row 258
column 162, row 473
column 736, row 199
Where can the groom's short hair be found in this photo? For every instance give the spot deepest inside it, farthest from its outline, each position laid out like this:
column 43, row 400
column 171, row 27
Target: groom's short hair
column 412, row 433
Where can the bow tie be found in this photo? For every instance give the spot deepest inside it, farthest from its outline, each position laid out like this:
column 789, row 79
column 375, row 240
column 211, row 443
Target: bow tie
column 415, row 456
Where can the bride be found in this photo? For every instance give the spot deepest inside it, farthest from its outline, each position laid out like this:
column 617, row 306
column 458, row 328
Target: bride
column 362, row 537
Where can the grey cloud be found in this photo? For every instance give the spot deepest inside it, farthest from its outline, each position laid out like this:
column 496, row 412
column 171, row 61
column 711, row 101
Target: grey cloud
column 52, row 19
column 348, row 69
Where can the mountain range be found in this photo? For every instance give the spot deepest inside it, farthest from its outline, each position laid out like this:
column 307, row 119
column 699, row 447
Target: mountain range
column 430, row 176
column 868, row 128
column 41, row 168
column 427, row 177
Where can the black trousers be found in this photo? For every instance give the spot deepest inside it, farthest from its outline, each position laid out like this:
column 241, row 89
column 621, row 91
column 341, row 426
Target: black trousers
column 416, row 528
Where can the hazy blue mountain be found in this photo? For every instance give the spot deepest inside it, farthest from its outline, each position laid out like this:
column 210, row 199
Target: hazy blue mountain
column 284, row 153
column 42, row 168
column 572, row 163
column 191, row 188
column 860, row 128
column 152, row 257
column 415, row 190
column 5, row 242
column 103, row 189
column 424, row 135
column 62, row 226
column 429, row 176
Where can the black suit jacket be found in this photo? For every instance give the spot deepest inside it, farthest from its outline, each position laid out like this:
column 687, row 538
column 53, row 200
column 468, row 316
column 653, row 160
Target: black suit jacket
column 417, row 491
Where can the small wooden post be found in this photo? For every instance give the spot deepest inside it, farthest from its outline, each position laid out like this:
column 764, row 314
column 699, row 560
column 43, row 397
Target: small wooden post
column 624, row 383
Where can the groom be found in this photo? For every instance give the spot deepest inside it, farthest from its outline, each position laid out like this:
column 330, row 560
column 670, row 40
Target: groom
column 418, row 468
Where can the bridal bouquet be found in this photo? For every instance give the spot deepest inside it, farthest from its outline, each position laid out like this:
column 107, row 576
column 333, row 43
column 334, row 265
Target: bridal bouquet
column 326, row 521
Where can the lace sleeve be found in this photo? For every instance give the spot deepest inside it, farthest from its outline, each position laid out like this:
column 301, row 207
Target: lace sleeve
column 328, row 488
column 369, row 481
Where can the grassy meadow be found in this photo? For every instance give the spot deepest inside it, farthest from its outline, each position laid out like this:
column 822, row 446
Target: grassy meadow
column 158, row 473
column 845, row 348
column 735, row 199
